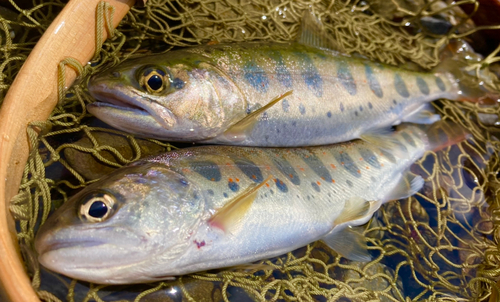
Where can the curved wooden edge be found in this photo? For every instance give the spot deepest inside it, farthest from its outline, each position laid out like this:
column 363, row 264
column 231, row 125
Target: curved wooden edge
column 32, row 97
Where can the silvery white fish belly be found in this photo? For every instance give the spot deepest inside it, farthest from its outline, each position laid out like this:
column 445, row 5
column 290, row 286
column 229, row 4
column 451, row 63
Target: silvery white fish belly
column 218, row 206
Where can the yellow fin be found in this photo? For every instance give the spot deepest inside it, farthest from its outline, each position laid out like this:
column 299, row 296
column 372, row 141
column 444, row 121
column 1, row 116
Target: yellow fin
column 237, row 131
column 349, row 243
column 354, row 209
column 312, row 33
column 230, row 214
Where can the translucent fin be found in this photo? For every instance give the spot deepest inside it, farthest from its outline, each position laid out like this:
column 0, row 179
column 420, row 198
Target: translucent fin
column 444, row 134
column 238, row 130
column 475, row 85
column 312, row 33
column 382, row 138
column 409, row 185
column 230, row 215
column 424, row 115
column 354, row 209
column 348, row 243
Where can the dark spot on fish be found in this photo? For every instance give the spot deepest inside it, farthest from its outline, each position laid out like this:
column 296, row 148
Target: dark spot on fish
column 345, row 78
column 341, row 107
column 408, row 139
column 207, row 169
column 400, row 86
column 210, row 192
column 395, row 102
column 281, row 185
column 388, row 155
column 356, row 113
column 330, row 195
column 302, row 109
column 373, row 82
column 272, row 192
column 315, row 186
column 256, row 76
column 329, row 114
column 360, row 108
column 225, row 194
column 440, row 84
column 248, row 110
column 347, row 163
column 369, row 157
column 265, row 195
column 285, row 105
column 308, row 197
column 294, row 123
column 422, row 86
column 316, row 165
column 349, row 183
column 249, row 168
column 311, row 76
column 284, row 167
column 370, row 105
column 233, row 186
column 178, row 83
column 199, row 244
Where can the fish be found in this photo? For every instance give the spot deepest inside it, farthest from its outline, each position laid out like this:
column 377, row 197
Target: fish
column 266, row 94
column 209, row 207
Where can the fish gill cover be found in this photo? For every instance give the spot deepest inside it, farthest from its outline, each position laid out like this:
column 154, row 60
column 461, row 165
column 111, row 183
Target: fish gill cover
column 439, row 245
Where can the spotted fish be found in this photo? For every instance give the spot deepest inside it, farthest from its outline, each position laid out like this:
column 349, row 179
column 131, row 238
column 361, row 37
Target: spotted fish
column 267, row 94
column 209, row 207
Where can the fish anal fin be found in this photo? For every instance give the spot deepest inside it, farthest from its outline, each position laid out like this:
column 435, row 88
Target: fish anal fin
column 424, row 115
column 229, row 216
column 237, row 131
column 349, row 243
column 312, row 33
column 408, row 185
column 383, row 139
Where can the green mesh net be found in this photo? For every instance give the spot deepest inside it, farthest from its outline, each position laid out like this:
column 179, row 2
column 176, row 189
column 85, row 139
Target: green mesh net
column 440, row 245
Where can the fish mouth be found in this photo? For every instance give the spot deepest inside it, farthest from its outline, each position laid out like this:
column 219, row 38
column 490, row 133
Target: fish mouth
column 113, row 103
column 59, row 245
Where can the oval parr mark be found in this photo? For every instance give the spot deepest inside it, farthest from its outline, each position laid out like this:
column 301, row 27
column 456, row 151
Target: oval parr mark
column 373, row 82
column 388, row 155
column 370, row 105
column 422, row 86
column 316, row 165
column 282, row 73
column 369, row 157
column 284, row 167
column 281, row 185
column 408, row 139
column 256, row 77
column 208, row 169
column 311, row 76
column 346, row 79
column 347, row 162
column 249, row 168
column 400, row 86
column 440, row 84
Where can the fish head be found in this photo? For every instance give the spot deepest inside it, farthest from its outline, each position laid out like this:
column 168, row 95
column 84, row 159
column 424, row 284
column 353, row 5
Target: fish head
column 182, row 97
column 120, row 229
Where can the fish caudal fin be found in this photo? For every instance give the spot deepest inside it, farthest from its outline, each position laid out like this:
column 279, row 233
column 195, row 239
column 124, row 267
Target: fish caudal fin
column 443, row 134
column 478, row 85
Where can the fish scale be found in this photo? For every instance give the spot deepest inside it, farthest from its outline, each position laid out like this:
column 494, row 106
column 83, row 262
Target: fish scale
column 208, row 207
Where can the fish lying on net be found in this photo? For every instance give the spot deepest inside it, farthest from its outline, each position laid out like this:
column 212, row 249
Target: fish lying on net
column 217, row 206
column 258, row 94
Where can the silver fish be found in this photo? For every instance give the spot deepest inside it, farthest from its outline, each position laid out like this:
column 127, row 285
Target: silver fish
column 218, row 206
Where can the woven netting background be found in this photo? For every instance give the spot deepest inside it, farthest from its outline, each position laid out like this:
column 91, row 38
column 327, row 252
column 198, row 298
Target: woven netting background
column 440, row 245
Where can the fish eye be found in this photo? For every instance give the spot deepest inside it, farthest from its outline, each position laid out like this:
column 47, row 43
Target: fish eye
column 153, row 80
column 97, row 206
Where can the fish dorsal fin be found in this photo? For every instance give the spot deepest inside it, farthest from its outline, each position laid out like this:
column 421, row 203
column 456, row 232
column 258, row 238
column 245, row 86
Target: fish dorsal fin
column 424, row 115
column 238, row 130
column 312, row 33
column 354, row 209
column 384, row 139
column 231, row 213
column 349, row 243
column 408, row 185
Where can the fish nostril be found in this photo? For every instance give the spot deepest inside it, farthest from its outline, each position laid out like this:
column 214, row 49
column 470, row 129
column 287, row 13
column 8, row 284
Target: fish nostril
column 116, row 74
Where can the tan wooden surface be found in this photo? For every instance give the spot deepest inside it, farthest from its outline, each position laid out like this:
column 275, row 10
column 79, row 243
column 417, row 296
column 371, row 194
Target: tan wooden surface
column 32, row 97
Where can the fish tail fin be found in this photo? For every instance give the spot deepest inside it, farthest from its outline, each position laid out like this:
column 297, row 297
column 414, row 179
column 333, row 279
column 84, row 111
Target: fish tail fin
column 443, row 134
column 477, row 85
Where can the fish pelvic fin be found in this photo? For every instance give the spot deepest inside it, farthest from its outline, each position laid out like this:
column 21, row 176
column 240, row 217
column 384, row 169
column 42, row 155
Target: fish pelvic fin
column 476, row 83
column 348, row 242
column 229, row 216
column 312, row 33
column 238, row 130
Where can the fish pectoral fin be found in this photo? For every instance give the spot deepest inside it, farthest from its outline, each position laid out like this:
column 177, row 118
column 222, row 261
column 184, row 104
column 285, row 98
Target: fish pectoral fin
column 383, row 139
column 423, row 115
column 229, row 216
column 349, row 243
column 408, row 185
column 312, row 33
column 237, row 131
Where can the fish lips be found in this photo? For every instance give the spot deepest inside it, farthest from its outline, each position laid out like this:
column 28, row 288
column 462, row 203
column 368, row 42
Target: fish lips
column 120, row 109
